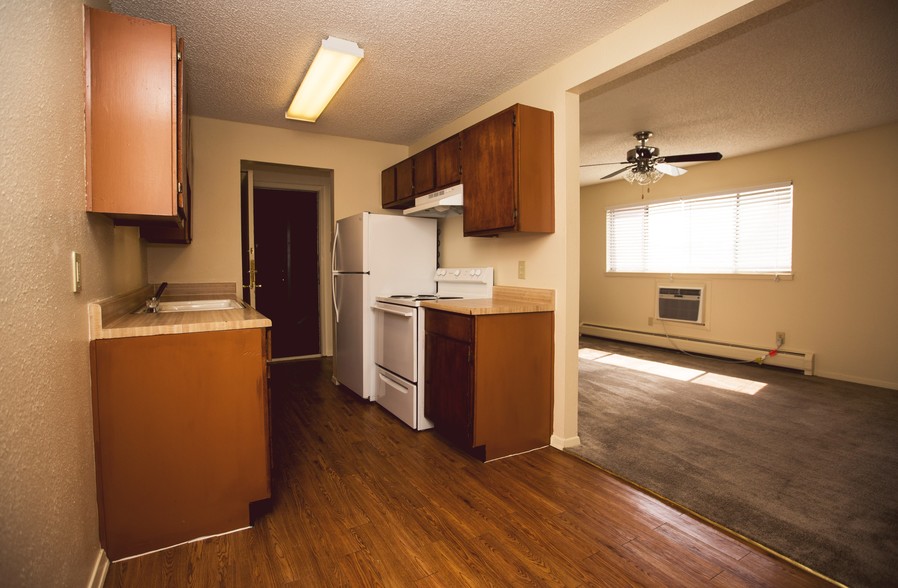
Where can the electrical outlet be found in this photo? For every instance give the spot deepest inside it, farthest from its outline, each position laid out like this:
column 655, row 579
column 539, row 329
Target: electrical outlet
column 76, row 272
column 522, row 270
column 780, row 338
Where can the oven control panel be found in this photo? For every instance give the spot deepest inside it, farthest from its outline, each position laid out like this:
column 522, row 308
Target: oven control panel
column 471, row 275
column 465, row 282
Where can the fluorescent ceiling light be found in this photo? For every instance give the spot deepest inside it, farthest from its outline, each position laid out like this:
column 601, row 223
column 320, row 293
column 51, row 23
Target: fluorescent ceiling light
column 333, row 63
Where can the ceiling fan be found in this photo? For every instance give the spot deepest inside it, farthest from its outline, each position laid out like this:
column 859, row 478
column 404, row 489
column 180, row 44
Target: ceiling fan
column 646, row 165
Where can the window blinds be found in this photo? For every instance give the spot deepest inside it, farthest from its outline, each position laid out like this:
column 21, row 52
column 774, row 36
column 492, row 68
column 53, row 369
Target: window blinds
column 746, row 232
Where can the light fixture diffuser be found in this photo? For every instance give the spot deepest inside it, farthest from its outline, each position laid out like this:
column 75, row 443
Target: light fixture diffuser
column 335, row 60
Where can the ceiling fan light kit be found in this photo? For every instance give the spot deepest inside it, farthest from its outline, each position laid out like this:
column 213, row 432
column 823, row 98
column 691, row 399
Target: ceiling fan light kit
column 643, row 178
column 645, row 165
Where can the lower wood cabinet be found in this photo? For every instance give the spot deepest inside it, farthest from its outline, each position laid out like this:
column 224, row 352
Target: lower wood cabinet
column 488, row 380
column 181, row 434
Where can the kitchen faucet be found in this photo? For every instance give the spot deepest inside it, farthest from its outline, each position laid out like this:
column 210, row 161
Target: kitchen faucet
column 153, row 302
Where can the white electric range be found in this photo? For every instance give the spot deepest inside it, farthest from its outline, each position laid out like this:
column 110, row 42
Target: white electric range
column 399, row 340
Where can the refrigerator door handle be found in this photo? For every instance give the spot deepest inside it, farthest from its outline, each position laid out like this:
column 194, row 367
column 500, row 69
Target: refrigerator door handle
column 334, row 247
column 334, row 270
column 334, row 297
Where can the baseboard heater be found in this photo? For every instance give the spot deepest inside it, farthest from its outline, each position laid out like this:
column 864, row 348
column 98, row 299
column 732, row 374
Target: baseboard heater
column 798, row 360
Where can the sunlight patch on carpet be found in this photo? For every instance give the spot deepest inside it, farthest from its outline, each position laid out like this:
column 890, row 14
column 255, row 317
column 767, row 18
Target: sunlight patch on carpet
column 651, row 367
column 730, row 383
column 674, row 372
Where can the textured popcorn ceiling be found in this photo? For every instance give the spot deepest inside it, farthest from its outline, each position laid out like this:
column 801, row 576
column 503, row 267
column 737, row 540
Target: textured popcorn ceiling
column 426, row 63
column 806, row 70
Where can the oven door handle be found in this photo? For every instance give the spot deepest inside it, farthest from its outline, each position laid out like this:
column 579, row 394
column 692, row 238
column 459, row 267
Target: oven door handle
column 408, row 314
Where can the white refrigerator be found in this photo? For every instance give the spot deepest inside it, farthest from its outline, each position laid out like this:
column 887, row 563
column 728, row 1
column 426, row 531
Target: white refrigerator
column 374, row 255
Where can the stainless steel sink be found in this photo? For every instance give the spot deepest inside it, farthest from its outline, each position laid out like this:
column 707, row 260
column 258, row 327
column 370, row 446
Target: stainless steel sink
column 197, row 305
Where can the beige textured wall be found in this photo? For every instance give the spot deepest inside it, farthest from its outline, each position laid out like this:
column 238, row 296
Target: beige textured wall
column 218, row 148
column 48, row 534
column 841, row 303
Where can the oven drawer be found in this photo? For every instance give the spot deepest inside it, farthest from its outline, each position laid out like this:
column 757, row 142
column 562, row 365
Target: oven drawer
column 397, row 396
column 396, row 339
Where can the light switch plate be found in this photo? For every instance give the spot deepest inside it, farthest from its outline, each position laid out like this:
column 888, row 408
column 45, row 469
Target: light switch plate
column 76, row 272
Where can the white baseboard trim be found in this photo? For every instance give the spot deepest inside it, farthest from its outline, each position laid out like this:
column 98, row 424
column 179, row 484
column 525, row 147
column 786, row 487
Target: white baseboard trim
column 798, row 360
column 101, row 568
column 564, row 442
column 203, row 538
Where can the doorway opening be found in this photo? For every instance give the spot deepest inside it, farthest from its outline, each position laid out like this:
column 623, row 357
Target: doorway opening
column 285, row 224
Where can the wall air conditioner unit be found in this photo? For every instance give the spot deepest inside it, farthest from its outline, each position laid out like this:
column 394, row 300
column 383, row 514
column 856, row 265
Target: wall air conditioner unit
column 681, row 304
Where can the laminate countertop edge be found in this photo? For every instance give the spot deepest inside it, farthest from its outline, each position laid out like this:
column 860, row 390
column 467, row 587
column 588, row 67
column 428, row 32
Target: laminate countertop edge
column 505, row 300
column 115, row 317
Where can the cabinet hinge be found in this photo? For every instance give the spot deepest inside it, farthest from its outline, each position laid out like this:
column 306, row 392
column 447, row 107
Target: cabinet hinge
column 469, row 355
column 179, row 187
column 179, row 56
column 515, row 214
column 514, row 119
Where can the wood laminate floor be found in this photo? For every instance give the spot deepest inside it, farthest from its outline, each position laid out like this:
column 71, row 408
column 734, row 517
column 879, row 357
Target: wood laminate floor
column 359, row 499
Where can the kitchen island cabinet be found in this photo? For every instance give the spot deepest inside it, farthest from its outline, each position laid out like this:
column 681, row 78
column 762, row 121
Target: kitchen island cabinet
column 135, row 122
column 181, row 435
column 488, row 380
column 507, row 169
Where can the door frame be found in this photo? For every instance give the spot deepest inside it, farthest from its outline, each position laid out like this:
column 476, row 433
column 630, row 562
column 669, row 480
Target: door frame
column 303, row 179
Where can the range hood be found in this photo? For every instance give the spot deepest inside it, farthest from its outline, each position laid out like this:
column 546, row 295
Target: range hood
column 438, row 204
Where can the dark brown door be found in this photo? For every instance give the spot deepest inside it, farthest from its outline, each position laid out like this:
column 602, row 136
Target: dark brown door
column 286, row 252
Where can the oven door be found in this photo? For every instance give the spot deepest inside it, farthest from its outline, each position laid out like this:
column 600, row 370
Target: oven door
column 396, row 339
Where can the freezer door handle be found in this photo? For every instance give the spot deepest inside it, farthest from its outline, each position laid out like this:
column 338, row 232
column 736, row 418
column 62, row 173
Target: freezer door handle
column 334, row 247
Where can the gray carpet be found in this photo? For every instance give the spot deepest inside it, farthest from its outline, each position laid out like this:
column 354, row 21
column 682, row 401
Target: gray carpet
column 806, row 466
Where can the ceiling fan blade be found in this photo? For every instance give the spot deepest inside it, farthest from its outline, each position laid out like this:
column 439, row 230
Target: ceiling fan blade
column 606, row 163
column 611, row 175
column 670, row 170
column 693, row 157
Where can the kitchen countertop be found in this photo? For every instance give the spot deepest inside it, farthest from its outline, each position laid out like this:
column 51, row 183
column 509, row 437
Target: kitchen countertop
column 114, row 317
column 505, row 300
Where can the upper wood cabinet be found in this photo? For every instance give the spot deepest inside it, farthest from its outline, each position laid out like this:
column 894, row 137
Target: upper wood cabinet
column 508, row 173
column 436, row 167
column 405, row 179
column 388, row 186
column 424, row 171
column 447, row 154
column 134, row 119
